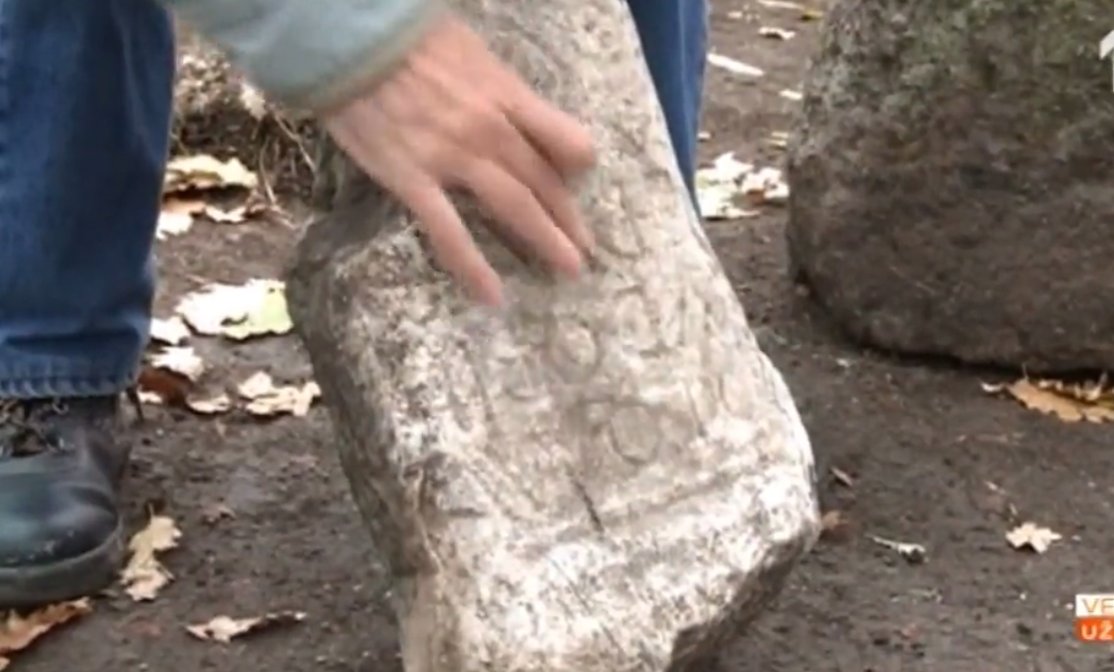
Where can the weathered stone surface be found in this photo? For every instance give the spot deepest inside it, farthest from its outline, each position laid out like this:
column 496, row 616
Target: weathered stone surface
column 953, row 179
column 606, row 476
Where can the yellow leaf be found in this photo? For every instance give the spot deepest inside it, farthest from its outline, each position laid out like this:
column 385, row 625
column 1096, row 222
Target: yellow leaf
column 1069, row 403
column 269, row 316
column 239, row 312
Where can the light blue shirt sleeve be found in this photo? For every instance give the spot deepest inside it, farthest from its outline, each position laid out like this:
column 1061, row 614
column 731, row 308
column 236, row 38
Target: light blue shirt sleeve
column 310, row 53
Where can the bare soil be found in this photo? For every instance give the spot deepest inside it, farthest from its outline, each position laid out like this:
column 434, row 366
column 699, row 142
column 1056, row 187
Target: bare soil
column 921, row 441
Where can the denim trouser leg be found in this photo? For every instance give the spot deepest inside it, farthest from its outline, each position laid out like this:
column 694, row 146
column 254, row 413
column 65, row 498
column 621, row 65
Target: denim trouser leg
column 674, row 35
column 85, row 108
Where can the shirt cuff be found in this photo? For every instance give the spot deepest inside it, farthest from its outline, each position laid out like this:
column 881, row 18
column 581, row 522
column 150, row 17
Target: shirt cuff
column 312, row 54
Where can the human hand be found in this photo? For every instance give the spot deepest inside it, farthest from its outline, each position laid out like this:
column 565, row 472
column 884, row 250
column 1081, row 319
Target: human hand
column 451, row 116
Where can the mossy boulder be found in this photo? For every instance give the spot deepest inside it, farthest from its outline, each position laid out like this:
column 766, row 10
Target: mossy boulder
column 953, row 179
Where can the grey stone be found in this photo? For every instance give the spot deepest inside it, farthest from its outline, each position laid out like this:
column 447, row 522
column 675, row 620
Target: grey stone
column 952, row 179
column 604, row 476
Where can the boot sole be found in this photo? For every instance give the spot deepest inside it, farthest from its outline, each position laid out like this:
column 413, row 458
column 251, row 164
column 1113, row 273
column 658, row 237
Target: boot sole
column 69, row 579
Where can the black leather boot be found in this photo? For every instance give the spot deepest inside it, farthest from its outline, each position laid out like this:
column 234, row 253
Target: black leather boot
column 61, row 535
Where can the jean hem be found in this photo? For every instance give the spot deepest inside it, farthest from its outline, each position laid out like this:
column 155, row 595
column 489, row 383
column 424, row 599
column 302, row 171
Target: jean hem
column 27, row 385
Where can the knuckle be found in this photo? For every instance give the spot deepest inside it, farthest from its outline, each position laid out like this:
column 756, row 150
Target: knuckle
column 430, row 155
column 485, row 124
column 457, row 124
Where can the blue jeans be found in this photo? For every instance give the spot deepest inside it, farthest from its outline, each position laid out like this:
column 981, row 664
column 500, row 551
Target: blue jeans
column 85, row 107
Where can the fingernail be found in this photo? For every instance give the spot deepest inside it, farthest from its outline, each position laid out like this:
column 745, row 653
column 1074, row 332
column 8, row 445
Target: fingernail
column 574, row 269
column 494, row 297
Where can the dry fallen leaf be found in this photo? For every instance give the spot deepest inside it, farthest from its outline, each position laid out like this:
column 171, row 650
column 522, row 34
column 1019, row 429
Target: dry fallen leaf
column 224, row 629
column 180, row 360
column 176, row 216
column 169, row 378
column 197, row 403
column 172, row 331
column 287, row 400
column 717, row 201
column 765, row 186
column 172, row 224
column 159, row 386
column 265, row 399
column 776, row 194
column 1091, row 402
column 19, row 632
column 237, row 215
column 214, row 405
column 188, row 206
column 913, row 553
column 239, row 312
column 234, row 216
column 1052, row 403
column 204, row 172
column 150, row 398
column 1033, row 537
column 718, row 185
column 726, row 168
column 735, row 67
column 257, row 385
column 144, row 576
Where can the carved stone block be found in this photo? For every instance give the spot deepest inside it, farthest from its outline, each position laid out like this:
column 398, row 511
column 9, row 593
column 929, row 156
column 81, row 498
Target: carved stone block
column 603, row 476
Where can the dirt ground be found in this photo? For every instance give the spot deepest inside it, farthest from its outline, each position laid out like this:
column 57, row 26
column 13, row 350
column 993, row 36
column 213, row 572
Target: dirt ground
column 934, row 460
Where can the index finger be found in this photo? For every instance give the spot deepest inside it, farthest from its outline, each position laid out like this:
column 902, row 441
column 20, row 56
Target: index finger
column 453, row 246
